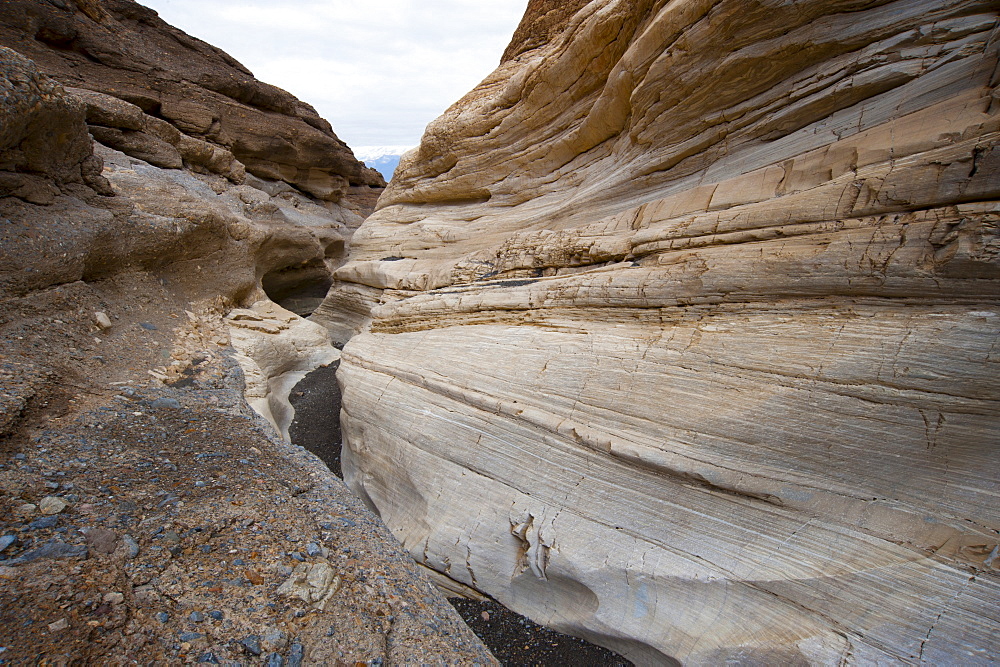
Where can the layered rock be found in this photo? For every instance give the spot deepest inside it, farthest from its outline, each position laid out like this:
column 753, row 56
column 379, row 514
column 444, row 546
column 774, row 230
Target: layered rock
column 116, row 269
column 170, row 99
column 679, row 332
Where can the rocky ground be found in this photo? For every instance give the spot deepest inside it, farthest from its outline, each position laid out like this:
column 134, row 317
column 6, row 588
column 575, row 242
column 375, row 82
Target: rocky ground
column 153, row 521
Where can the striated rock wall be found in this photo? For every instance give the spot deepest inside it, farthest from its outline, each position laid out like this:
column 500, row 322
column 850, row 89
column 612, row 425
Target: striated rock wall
column 680, row 331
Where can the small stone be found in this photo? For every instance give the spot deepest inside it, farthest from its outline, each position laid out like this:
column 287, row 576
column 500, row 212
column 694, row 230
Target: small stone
column 49, row 550
column 274, row 639
column 190, row 636
column 102, row 540
column 162, row 617
column 6, row 541
column 238, row 561
column 43, row 522
column 314, row 549
column 252, row 644
column 148, row 326
column 216, row 615
column 196, row 617
column 299, row 557
column 200, row 485
column 61, row 624
column 103, row 321
column 208, row 658
column 275, row 660
column 52, row 505
column 296, row 655
column 165, row 403
column 20, row 457
column 113, row 598
column 131, row 546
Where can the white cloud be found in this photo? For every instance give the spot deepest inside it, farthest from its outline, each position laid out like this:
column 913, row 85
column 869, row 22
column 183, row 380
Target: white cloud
column 379, row 71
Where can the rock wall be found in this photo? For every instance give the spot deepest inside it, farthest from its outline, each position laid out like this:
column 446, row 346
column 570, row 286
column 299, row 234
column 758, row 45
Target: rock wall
column 181, row 100
column 679, row 332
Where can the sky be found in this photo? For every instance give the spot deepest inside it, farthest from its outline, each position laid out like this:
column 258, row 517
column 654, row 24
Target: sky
column 378, row 70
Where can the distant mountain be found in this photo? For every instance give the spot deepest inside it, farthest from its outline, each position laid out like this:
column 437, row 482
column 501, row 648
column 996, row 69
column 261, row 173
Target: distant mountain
column 381, row 158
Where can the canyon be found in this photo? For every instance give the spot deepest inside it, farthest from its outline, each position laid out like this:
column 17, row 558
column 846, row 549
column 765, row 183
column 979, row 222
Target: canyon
column 678, row 333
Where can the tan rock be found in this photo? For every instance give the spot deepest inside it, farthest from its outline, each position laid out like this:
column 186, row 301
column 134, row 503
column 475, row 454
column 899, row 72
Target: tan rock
column 681, row 332
column 52, row 505
column 314, row 583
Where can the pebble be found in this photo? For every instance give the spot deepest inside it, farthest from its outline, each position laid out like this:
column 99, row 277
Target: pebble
column 162, row 617
column 252, row 644
column 61, row 624
column 217, row 615
column 50, row 550
column 131, row 545
column 43, row 522
column 196, row 617
column 190, row 636
column 299, row 557
column 148, row 326
column 6, row 541
column 20, row 457
column 296, row 655
column 165, row 403
column 52, row 505
column 313, row 549
column 275, row 660
column 238, row 561
column 113, row 598
column 208, row 658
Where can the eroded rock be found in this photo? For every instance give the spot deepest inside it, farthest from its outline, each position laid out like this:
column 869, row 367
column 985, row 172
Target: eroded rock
column 679, row 332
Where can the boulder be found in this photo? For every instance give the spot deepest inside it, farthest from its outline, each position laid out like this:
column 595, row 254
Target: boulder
column 679, row 332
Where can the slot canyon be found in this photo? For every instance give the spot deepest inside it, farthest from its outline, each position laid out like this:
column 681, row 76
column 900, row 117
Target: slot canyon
column 679, row 334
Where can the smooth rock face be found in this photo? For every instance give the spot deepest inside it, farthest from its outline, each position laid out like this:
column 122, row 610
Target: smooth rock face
column 680, row 332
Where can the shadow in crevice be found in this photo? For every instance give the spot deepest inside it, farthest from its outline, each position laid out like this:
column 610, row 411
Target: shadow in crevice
column 316, row 426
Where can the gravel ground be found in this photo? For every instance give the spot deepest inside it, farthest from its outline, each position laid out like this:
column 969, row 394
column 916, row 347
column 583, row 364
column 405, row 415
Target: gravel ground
column 153, row 523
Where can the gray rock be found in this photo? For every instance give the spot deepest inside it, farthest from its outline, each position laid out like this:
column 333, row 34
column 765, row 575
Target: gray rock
column 275, row 660
column 215, row 614
column 190, row 636
column 162, row 617
column 6, row 541
column 208, row 658
column 313, row 549
column 43, row 522
column 165, row 403
column 252, row 644
column 196, row 617
column 296, row 654
column 131, row 545
column 49, row 550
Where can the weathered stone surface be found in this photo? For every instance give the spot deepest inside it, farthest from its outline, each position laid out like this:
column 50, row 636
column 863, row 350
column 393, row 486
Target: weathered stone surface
column 124, row 50
column 117, row 383
column 682, row 332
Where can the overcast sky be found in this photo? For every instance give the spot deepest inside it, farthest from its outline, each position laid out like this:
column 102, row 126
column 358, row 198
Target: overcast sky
column 378, row 70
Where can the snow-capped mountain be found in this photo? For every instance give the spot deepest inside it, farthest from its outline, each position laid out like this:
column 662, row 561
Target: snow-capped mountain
column 381, row 158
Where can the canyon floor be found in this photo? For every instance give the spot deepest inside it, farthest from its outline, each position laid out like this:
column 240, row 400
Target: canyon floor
column 184, row 530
